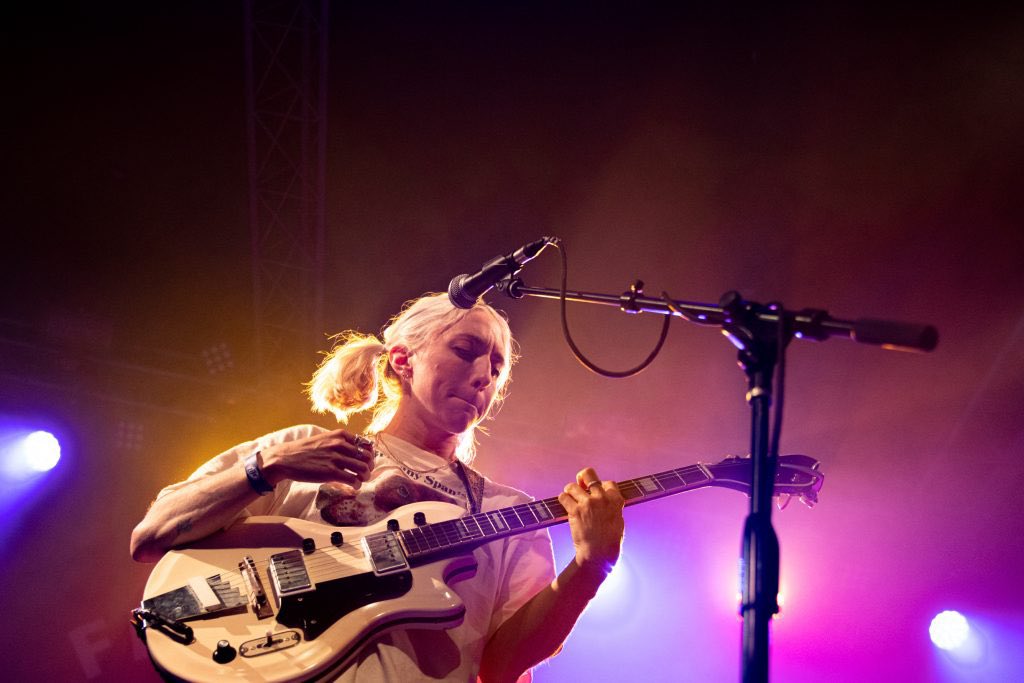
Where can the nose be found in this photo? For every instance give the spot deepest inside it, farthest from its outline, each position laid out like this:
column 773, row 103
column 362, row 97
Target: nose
column 482, row 377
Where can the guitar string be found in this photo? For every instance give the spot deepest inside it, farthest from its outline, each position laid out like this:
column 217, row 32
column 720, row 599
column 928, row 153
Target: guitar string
column 321, row 558
column 445, row 535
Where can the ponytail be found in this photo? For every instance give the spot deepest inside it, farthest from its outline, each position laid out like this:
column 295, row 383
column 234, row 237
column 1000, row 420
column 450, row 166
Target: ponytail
column 347, row 380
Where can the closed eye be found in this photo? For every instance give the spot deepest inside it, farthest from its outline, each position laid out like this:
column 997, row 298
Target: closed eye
column 470, row 355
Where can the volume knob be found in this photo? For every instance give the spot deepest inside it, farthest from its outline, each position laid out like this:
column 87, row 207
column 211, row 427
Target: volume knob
column 224, row 652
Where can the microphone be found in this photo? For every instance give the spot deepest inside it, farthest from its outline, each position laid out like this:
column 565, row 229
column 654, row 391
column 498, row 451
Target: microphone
column 464, row 290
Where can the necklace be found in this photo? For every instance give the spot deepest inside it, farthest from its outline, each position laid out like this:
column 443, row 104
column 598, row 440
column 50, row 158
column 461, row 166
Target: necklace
column 471, row 484
column 386, row 451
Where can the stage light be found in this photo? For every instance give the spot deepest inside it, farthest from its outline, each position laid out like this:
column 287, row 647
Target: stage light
column 615, row 597
column 949, row 630
column 617, row 581
column 31, row 467
column 30, row 454
column 42, row 451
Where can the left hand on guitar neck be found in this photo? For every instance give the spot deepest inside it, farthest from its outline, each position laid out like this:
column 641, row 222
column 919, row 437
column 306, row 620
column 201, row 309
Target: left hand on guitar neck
column 595, row 520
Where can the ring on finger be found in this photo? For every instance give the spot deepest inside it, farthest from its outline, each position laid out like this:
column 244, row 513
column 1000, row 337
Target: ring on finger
column 592, row 484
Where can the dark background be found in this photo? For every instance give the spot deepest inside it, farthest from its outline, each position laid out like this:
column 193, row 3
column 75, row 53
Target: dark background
column 866, row 161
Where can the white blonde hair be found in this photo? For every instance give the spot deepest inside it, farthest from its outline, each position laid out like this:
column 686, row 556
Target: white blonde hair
column 356, row 376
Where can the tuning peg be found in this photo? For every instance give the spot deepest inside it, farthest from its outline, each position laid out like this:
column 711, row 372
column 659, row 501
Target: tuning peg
column 809, row 499
column 782, row 500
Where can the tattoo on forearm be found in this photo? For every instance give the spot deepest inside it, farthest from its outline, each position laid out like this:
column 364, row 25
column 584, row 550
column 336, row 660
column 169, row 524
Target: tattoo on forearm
column 183, row 527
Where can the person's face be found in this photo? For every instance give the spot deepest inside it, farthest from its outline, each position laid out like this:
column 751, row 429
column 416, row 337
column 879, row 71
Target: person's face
column 454, row 375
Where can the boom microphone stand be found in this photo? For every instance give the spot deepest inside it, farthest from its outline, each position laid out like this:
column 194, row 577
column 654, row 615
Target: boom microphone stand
column 761, row 333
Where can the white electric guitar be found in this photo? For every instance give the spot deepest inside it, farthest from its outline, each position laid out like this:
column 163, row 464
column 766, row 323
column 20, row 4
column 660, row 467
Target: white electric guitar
column 282, row 599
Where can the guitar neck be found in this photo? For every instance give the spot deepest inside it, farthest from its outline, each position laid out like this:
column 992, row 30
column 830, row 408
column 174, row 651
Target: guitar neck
column 428, row 542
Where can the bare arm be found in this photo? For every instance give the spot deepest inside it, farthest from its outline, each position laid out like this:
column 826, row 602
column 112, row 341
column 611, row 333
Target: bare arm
column 206, row 505
column 192, row 512
column 537, row 630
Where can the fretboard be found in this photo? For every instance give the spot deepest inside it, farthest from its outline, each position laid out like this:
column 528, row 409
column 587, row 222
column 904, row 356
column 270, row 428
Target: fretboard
column 430, row 541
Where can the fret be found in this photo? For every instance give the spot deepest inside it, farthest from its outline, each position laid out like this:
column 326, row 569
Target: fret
column 484, row 522
column 526, row 514
column 671, row 480
column 437, row 535
column 663, row 483
column 512, row 518
column 472, row 529
column 413, row 540
column 693, row 475
column 426, row 536
column 540, row 510
column 554, row 507
column 476, row 523
column 684, row 477
column 447, row 533
column 468, row 533
column 648, row 485
column 497, row 520
column 628, row 489
column 419, row 539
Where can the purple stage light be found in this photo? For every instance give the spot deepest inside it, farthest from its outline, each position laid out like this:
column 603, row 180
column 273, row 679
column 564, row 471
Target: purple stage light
column 25, row 456
column 949, row 630
column 41, row 451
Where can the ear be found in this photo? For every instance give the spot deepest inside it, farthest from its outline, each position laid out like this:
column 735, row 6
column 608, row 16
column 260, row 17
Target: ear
column 399, row 358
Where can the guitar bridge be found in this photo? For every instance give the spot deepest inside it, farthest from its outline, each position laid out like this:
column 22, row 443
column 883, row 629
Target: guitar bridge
column 257, row 596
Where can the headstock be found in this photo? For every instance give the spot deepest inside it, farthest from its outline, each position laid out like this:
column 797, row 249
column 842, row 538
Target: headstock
column 795, row 475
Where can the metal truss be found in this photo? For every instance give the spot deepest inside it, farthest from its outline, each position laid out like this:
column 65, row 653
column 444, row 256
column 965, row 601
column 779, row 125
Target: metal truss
column 286, row 111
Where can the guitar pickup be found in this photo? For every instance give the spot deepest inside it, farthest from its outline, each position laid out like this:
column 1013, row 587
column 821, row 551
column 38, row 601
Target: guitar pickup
column 288, row 575
column 385, row 553
column 257, row 596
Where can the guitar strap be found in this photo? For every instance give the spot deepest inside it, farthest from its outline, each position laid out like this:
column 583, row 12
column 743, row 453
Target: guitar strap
column 474, row 484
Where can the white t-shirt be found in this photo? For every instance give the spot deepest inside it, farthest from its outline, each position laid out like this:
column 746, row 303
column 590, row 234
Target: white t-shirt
column 510, row 571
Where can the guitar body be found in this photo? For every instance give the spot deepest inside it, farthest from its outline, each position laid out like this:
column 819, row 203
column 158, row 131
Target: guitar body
column 360, row 604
